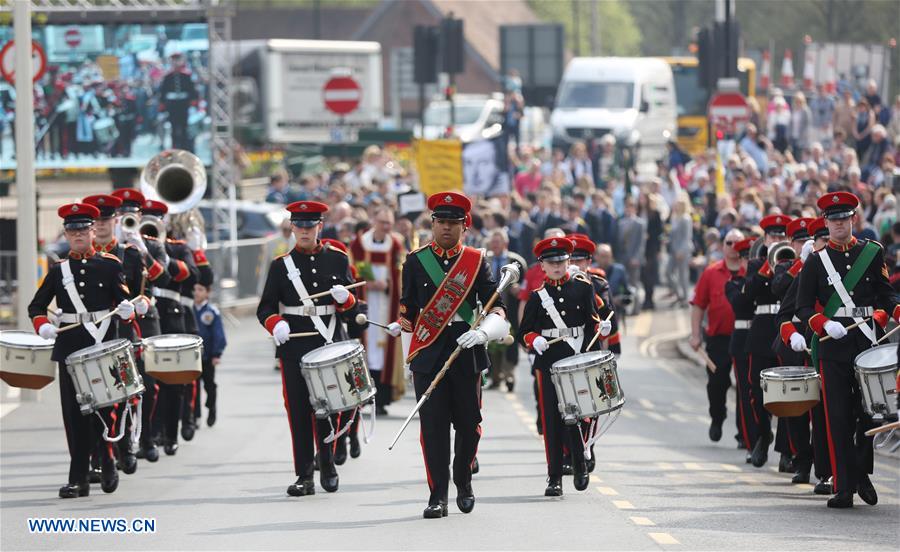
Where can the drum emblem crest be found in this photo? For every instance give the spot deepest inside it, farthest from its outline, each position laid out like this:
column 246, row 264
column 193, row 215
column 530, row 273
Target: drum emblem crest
column 356, row 378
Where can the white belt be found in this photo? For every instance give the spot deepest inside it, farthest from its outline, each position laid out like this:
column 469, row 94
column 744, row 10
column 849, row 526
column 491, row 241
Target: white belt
column 768, row 309
column 75, row 318
column 173, row 295
column 562, row 332
column 742, row 324
column 303, row 310
column 855, row 312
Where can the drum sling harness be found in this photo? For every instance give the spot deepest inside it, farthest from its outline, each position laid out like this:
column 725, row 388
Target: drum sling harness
column 69, row 284
column 294, row 276
column 547, row 302
column 841, row 296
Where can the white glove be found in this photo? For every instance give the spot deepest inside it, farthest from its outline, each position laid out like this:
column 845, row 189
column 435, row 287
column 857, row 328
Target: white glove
column 141, row 306
column 194, row 238
column 798, row 342
column 125, row 310
column 47, row 331
column 472, row 338
column 835, row 329
column 136, row 240
column 393, row 329
column 605, row 328
column 808, row 248
column 281, row 332
column 540, row 344
column 340, row 294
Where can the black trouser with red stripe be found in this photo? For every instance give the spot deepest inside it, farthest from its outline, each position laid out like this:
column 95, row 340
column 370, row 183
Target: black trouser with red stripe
column 557, row 435
column 845, row 421
column 799, row 441
column 761, row 416
column 83, row 432
column 455, row 400
column 748, row 427
column 307, row 431
column 821, row 458
column 718, row 382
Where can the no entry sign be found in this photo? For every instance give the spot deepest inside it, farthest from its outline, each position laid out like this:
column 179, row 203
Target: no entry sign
column 8, row 61
column 73, row 37
column 342, row 95
column 727, row 109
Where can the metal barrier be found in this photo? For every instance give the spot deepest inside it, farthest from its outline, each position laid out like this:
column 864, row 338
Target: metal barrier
column 253, row 258
column 7, row 287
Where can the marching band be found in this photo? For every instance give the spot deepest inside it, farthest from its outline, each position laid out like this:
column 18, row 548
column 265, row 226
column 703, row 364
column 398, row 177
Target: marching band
column 808, row 301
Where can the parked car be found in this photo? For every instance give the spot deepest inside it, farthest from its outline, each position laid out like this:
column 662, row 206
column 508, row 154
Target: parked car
column 475, row 116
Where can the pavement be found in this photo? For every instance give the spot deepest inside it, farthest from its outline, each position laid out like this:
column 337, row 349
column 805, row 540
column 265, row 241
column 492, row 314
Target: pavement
column 659, row 482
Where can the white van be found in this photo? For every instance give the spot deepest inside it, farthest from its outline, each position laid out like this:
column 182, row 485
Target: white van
column 630, row 97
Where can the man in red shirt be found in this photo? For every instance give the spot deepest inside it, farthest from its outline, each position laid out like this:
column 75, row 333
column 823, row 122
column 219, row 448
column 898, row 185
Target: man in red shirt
column 709, row 299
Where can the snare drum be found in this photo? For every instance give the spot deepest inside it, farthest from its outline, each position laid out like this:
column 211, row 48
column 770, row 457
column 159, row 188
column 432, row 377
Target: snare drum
column 337, row 377
column 587, row 385
column 104, row 375
column 173, row 358
column 789, row 390
column 26, row 360
column 105, row 130
column 876, row 370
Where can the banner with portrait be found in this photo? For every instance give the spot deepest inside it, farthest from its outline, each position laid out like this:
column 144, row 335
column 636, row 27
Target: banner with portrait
column 486, row 167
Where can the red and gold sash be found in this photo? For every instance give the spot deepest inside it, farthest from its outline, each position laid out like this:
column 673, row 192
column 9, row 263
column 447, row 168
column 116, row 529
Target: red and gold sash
column 447, row 300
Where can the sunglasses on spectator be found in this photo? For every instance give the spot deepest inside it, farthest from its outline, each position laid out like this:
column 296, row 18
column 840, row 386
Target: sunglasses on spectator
column 729, row 243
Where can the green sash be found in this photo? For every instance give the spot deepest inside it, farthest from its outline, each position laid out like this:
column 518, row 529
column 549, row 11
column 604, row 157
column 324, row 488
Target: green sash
column 850, row 280
column 436, row 273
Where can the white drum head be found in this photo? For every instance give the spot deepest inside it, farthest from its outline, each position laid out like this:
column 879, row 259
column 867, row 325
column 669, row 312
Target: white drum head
column 98, row 350
column 882, row 356
column 788, row 372
column 174, row 341
column 331, row 352
column 589, row 358
column 18, row 338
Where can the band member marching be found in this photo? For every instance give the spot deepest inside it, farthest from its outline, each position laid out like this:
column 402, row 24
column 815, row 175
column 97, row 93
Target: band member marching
column 441, row 284
column 307, row 269
column 563, row 307
column 742, row 306
column 86, row 285
column 845, row 266
column 791, row 347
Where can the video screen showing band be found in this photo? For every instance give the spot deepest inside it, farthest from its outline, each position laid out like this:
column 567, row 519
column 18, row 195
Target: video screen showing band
column 114, row 95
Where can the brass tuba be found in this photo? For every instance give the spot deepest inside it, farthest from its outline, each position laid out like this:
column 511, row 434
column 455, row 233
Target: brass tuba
column 178, row 179
column 781, row 251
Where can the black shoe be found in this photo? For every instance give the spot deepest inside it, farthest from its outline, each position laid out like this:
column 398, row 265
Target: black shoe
column 866, row 491
column 823, row 487
column 340, row 452
column 554, row 487
column 581, row 481
column 211, row 417
column 171, row 449
column 302, row 487
column 465, row 499
column 591, row 464
column 355, row 449
column 510, row 385
column 110, row 481
column 785, row 464
column 567, row 469
column 380, row 410
column 150, row 453
column 475, row 467
column 715, row 431
column 800, row 477
column 95, row 476
column 329, row 482
column 748, row 458
column 128, row 463
column 74, row 490
column 760, row 453
column 540, row 426
column 435, row 511
column 843, row 499
column 187, row 430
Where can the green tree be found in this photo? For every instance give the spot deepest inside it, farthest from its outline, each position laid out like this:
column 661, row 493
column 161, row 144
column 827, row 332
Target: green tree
column 618, row 30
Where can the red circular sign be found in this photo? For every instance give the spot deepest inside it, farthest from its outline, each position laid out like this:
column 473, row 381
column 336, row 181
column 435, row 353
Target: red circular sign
column 8, row 62
column 73, row 37
column 728, row 108
column 342, row 95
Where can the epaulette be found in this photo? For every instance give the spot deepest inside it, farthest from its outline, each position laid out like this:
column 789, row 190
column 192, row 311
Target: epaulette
column 110, row 256
column 414, row 251
column 173, row 240
column 581, row 277
column 876, row 242
column 283, row 255
column 330, row 247
column 149, row 237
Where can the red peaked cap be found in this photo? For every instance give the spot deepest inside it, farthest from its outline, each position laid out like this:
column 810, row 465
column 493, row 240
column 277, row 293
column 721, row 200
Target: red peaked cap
column 450, row 206
column 743, row 246
column 838, row 205
column 817, row 228
column 775, row 224
column 155, row 208
column 132, row 200
column 798, row 229
column 583, row 246
column 106, row 204
column 77, row 215
column 306, row 214
column 554, row 249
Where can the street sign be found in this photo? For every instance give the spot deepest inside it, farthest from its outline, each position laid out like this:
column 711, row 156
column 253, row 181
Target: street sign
column 342, row 95
column 73, row 37
column 728, row 109
column 8, row 61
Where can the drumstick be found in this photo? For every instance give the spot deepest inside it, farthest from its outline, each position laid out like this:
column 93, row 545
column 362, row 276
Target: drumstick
column 848, row 328
column 887, row 335
column 596, row 335
column 882, row 429
column 324, row 293
column 101, row 319
column 299, row 334
column 362, row 319
column 709, row 363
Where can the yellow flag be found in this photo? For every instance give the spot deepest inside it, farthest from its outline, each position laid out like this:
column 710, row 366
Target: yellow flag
column 720, row 175
column 439, row 164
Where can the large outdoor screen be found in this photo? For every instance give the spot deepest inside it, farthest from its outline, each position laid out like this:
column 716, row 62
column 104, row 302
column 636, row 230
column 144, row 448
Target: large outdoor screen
column 114, row 95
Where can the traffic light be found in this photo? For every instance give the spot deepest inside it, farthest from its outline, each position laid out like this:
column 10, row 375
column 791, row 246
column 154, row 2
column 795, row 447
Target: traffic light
column 715, row 58
column 425, row 52
column 452, row 46
column 705, row 66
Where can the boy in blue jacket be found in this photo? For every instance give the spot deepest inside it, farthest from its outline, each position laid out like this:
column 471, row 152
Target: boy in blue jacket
column 209, row 327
